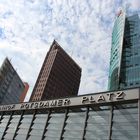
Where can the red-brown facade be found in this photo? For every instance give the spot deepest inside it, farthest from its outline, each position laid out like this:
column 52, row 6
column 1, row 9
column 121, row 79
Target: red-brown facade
column 23, row 95
column 59, row 76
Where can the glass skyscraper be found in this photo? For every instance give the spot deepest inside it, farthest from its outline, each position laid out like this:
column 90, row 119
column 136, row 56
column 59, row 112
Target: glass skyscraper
column 125, row 53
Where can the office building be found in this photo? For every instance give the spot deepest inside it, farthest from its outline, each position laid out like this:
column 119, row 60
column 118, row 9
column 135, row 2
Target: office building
column 113, row 115
column 98, row 116
column 11, row 86
column 58, row 77
column 125, row 53
column 24, row 93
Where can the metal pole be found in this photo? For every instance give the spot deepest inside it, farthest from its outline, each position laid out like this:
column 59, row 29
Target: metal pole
column 19, row 122
column 110, row 123
column 1, row 117
column 48, row 117
column 31, row 125
column 64, row 124
column 7, row 125
column 86, row 118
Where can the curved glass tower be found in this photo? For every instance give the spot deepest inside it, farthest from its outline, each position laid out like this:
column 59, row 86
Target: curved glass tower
column 125, row 53
column 116, row 51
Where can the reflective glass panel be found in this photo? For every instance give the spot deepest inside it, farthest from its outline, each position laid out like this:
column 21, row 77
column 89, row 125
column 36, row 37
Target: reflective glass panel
column 38, row 126
column 24, row 127
column 125, row 122
column 34, row 137
column 20, row 137
column 12, row 127
column 98, row 124
column 55, row 125
column 74, row 127
column 3, row 124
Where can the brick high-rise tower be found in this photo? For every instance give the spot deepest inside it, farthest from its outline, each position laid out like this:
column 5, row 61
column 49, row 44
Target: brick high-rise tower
column 58, row 77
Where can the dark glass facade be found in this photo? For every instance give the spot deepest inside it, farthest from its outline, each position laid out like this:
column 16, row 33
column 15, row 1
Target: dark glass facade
column 118, row 120
column 11, row 86
column 59, row 76
column 125, row 53
column 130, row 65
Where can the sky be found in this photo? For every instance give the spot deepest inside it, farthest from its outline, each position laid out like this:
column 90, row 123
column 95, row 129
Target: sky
column 82, row 27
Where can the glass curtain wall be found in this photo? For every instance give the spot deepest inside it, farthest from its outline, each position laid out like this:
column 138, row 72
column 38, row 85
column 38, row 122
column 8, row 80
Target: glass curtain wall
column 13, row 123
column 116, row 51
column 3, row 124
column 54, row 127
column 130, row 68
column 38, row 127
column 74, row 127
column 125, row 122
column 117, row 122
column 98, row 124
column 24, row 127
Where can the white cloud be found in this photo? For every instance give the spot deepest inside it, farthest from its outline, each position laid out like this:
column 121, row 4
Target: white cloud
column 82, row 28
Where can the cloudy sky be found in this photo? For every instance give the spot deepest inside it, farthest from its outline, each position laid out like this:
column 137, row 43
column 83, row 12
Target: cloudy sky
column 82, row 27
